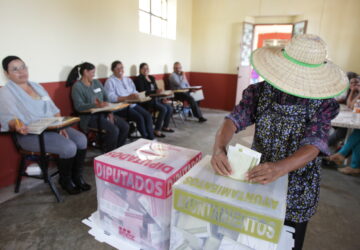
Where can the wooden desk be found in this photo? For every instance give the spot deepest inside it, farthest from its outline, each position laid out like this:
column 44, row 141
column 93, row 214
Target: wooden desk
column 68, row 121
column 181, row 90
column 165, row 94
column 112, row 107
column 191, row 88
column 133, row 101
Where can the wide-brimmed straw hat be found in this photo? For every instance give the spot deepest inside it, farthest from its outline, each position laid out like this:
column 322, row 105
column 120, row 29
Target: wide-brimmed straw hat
column 301, row 68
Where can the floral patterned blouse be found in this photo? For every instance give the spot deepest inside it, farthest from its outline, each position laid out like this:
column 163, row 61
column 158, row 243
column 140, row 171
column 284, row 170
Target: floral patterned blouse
column 284, row 123
column 317, row 129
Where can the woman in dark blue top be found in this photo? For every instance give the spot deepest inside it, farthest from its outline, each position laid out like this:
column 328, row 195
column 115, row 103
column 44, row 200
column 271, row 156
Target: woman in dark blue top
column 146, row 82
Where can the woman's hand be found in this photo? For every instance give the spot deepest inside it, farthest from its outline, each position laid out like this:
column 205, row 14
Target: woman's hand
column 100, row 104
column 134, row 96
column 24, row 130
column 18, row 126
column 159, row 91
column 264, row 173
column 64, row 133
column 220, row 163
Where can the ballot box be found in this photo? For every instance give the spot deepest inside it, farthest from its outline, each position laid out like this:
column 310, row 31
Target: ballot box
column 134, row 189
column 212, row 212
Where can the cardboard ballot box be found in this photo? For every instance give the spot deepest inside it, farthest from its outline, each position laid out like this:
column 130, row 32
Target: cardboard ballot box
column 213, row 212
column 134, row 188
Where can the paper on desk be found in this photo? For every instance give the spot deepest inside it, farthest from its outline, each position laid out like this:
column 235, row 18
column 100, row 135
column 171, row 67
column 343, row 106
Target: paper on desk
column 167, row 92
column 241, row 160
column 142, row 94
column 109, row 107
column 39, row 126
column 59, row 121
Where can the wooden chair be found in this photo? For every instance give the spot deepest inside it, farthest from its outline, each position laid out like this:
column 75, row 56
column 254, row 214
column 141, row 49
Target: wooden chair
column 94, row 137
column 161, row 84
column 35, row 157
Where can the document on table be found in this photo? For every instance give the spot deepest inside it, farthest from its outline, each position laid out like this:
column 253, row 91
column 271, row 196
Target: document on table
column 109, row 107
column 39, row 126
column 241, row 160
column 142, row 98
column 167, row 92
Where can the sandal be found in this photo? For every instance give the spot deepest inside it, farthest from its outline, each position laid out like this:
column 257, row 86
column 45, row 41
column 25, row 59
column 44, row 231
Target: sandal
column 337, row 158
column 168, row 130
column 349, row 170
column 159, row 134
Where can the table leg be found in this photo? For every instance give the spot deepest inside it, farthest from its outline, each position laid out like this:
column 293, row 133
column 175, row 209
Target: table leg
column 44, row 168
column 348, row 133
column 100, row 131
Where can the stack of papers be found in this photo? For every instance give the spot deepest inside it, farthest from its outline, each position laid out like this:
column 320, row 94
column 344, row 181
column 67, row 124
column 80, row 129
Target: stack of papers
column 241, row 160
column 195, row 87
column 142, row 94
column 141, row 98
column 109, row 107
column 39, row 126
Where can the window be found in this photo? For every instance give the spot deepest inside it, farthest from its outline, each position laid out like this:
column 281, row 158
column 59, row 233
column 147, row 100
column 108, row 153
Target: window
column 153, row 17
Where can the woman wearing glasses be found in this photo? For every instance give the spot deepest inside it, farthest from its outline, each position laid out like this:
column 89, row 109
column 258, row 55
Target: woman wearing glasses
column 23, row 102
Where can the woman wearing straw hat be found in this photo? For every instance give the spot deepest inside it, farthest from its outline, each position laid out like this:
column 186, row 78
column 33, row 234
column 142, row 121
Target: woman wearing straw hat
column 292, row 110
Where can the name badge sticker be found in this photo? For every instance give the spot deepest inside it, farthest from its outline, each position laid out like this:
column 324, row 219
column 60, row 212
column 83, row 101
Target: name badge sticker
column 97, row 90
column 45, row 98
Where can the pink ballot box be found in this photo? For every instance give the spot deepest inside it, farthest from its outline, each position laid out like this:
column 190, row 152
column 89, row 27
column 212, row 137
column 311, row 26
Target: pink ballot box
column 134, row 186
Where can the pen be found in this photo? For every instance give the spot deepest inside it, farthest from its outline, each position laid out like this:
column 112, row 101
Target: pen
column 17, row 123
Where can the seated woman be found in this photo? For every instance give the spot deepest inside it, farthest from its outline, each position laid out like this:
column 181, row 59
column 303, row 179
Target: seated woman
column 349, row 98
column 351, row 147
column 119, row 89
column 146, row 82
column 89, row 93
column 354, row 92
column 23, row 102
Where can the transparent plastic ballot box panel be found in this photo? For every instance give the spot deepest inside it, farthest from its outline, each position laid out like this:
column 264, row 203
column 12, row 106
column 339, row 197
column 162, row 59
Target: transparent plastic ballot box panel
column 214, row 212
column 134, row 189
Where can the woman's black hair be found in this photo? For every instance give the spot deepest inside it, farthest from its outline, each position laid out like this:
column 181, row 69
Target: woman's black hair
column 7, row 60
column 78, row 71
column 141, row 66
column 114, row 64
column 352, row 75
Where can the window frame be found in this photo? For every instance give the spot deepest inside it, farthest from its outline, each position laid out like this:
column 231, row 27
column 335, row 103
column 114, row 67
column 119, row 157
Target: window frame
column 151, row 14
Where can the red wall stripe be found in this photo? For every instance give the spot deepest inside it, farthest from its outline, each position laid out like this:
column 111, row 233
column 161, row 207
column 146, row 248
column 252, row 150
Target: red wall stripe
column 219, row 89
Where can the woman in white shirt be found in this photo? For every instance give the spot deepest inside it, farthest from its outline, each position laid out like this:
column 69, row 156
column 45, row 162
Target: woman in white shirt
column 119, row 89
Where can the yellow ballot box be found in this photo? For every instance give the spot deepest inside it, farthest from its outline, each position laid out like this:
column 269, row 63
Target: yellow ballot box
column 212, row 212
column 134, row 190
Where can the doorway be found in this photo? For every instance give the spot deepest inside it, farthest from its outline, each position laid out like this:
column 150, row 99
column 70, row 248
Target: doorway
column 259, row 35
column 269, row 35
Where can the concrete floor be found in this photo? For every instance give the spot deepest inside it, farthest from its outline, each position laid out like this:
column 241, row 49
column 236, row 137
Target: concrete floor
column 33, row 220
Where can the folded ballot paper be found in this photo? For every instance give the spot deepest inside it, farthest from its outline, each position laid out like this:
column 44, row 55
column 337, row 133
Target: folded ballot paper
column 134, row 190
column 242, row 159
column 213, row 212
